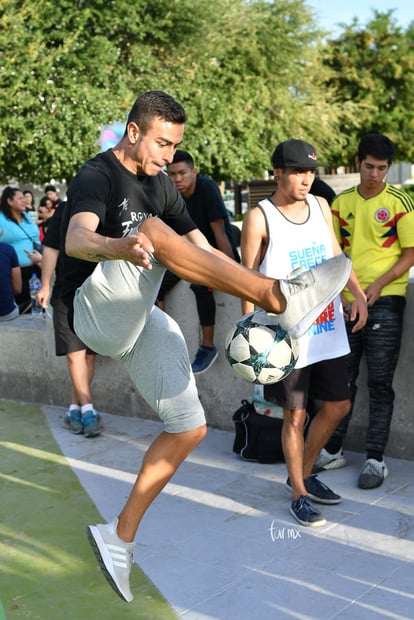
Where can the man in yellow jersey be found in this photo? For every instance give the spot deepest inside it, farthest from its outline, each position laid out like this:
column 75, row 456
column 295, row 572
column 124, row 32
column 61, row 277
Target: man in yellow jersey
column 374, row 223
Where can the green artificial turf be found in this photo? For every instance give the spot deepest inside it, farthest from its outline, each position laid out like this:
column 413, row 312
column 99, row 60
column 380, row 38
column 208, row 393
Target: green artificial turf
column 47, row 569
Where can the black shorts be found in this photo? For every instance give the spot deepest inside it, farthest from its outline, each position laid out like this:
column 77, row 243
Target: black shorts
column 326, row 380
column 66, row 341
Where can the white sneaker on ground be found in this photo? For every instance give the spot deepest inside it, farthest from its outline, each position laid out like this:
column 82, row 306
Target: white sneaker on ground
column 327, row 461
column 115, row 556
column 309, row 292
column 372, row 474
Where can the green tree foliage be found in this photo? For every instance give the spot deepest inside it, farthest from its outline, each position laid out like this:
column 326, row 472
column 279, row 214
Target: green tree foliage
column 373, row 67
column 250, row 73
column 60, row 79
column 252, row 80
column 247, row 72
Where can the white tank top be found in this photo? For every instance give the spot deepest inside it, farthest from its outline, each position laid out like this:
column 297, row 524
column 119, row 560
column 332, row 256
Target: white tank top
column 305, row 245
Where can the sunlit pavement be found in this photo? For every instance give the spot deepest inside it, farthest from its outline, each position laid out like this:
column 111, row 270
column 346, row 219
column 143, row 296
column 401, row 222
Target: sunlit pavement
column 220, row 543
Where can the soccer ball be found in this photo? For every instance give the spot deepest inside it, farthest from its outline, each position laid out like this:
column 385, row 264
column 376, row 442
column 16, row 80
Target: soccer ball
column 259, row 350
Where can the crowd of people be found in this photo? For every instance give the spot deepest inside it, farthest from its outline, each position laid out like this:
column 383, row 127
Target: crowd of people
column 129, row 232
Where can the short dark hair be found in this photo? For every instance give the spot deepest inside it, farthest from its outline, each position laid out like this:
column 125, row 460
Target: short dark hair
column 50, row 188
column 155, row 104
column 183, row 156
column 376, row 145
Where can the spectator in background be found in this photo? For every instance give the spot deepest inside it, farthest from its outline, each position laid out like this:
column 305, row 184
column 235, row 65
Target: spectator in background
column 29, row 199
column 10, row 282
column 320, row 188
column 45, row 212
column 18, row 229
column 206, row 207
column 374, row 223
column 294, row 229
column 51, row 192
column 81, row 416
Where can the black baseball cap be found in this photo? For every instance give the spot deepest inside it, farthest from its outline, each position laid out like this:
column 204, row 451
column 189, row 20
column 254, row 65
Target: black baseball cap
column 295, row 154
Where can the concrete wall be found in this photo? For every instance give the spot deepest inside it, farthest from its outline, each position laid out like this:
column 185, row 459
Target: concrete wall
column 30, row 371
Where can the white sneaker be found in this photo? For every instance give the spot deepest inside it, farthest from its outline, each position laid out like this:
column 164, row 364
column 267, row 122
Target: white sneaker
column 372, row 474
column 326, row 460
column 309, row 292
column 115, row 556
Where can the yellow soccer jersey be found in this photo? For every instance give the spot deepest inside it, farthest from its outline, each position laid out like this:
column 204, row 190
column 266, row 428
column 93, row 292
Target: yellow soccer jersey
column 373, row 232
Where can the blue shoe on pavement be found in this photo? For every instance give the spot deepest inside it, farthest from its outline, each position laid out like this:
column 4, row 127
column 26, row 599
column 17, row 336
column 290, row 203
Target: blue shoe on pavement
column 73, row 421
column 318, row 491
column 305, row 513
column 92, row 424
column 204, row 359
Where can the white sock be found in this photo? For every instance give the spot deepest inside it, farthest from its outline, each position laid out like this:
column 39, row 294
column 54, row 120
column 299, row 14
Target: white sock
column 86, row 408
column 74, row 407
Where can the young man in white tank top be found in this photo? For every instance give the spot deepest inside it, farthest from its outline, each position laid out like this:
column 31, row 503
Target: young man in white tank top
column 294, row 229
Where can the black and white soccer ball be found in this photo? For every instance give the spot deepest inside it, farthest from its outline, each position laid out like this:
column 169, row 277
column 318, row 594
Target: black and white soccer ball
column 259, row 350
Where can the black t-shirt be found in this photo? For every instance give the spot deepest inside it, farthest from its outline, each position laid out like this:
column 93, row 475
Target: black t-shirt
column 320, row 188
column 206, row 205
column 121, row 200
column 52, row 240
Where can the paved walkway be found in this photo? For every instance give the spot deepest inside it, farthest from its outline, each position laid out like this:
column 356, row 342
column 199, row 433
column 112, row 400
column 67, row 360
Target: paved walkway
column 220, row 544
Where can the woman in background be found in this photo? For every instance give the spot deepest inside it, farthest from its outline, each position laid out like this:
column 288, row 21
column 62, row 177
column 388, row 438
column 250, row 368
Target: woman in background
column 29, row 198
column 18, row 229
column 44, row 211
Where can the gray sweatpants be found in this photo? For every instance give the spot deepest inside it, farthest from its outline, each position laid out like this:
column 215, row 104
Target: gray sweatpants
column 114, row 315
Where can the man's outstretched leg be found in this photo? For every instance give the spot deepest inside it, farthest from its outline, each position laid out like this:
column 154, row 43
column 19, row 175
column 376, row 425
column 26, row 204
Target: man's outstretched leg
column 296, row 301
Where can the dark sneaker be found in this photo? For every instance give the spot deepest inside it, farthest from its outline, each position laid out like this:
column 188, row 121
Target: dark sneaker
column 204, row 359
column 326, row 461
column 73, row 421
column 308, row 292
column 305, row 513
column 115, row 556
column 372, row 474
column 318, row 491
column 92, row 424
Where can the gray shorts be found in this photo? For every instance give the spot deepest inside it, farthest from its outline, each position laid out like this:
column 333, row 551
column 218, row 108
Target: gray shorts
column 114, row 314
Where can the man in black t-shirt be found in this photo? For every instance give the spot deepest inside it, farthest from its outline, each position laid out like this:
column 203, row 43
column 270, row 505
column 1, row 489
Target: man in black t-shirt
column 125, row 222
column 206, row 207
column 81, row 417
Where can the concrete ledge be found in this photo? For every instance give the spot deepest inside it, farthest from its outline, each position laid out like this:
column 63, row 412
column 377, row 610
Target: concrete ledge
column 30, row 371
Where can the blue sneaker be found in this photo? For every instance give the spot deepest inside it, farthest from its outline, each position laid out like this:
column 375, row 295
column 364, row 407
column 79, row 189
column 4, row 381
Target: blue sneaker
column 318, row 491
column 204, row 359
column 92, row 424
column 73, row 421
column 305, row 513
